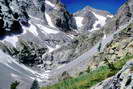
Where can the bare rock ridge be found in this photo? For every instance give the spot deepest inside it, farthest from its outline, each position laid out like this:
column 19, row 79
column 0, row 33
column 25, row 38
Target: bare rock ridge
column 39, row 37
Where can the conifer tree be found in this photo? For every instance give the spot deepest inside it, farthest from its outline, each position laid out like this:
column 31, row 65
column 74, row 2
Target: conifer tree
column 35, row 85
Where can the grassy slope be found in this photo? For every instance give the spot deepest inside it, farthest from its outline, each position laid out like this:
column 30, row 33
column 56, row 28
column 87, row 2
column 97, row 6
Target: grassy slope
column 85, row 81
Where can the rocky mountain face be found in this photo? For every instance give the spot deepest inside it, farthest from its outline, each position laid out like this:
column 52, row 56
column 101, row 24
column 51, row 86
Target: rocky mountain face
column 121, row 43
column 122, row 80
column 37, row 28
column 92, row 19
column 38, row 37
column 120, row 46
column 115, row 42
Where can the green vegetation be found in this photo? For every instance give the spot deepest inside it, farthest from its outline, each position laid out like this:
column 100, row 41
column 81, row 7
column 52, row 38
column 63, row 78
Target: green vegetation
column 85, row 81
column 14, row 85
column 110, row 64
column 35, row 85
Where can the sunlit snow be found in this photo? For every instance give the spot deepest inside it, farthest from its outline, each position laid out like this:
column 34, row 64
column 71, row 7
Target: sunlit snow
column 47, row 30
column 51, row 49
column 110, row 16
column 79, row 21
column 48, row 18
column 11, row 39
column 50, row 4
column 101, row 20
column 32, row 28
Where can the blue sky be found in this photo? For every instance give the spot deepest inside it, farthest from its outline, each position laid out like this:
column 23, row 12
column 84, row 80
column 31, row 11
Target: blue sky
column 109, row 5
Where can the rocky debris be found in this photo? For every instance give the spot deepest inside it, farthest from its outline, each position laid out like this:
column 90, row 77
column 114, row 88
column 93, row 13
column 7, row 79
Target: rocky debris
column 122, row 41
column 28, row 53
column 120, row 46
column 122, row 80
column 125, row 13
column 70, row 51
column 123, row 16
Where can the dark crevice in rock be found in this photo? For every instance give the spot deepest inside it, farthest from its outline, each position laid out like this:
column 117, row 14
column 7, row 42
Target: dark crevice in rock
column 128, row 81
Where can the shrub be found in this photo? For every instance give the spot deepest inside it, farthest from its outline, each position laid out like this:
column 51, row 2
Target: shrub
column 14, row 85
column 35, row 85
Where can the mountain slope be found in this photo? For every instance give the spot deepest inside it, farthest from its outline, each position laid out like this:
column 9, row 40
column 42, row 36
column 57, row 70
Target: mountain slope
column 116, row 43
column 40, row 35
column 12, row 71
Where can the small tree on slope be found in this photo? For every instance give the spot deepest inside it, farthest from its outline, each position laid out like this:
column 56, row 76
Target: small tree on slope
column 14, row 85
column 35, row 85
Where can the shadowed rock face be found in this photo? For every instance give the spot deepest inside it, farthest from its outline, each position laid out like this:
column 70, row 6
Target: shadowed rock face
column 10, row 18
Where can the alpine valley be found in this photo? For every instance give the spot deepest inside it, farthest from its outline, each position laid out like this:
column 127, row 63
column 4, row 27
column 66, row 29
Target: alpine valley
column 90, row 49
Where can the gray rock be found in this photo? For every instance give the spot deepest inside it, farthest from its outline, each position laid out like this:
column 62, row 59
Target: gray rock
column 122, row 80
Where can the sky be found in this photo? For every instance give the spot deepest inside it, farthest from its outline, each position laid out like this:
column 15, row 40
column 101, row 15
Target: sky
column 108, row 5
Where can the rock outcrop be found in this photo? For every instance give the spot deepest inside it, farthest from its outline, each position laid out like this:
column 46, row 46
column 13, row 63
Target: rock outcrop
column 122, row 80
column 121, row 43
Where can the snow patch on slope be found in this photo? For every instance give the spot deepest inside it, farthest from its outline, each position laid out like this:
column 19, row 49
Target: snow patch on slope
column 35, row 18
column 105, row 36
column 50, row 4
column 71, row 36
column 48, row 18
column 101, row 20
column 11, row 39
column 32, row 28
column 110, row 16
column 51, row 49
column 79, row 21
column 47, row 30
